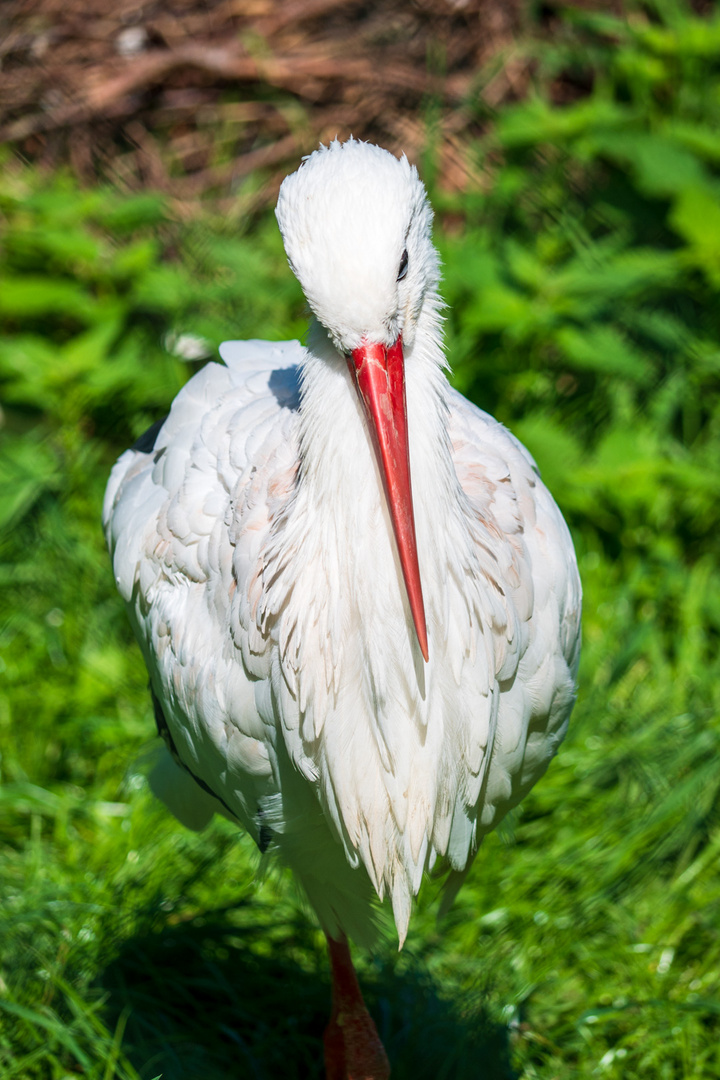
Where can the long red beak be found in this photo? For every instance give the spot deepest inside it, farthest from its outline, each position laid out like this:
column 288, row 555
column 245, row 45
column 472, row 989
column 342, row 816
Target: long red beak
column 380, row 377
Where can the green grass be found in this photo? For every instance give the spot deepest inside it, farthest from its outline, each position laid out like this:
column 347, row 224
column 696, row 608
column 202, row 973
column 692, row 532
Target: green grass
column 584, row 291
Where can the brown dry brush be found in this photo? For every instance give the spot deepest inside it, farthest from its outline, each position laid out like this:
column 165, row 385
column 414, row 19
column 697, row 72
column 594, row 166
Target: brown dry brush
column 190, row 97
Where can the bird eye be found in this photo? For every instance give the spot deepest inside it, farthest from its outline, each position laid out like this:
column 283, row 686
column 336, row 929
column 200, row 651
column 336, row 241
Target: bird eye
column 403, row 265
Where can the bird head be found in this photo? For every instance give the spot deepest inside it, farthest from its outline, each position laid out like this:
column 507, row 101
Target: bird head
column 356, row 225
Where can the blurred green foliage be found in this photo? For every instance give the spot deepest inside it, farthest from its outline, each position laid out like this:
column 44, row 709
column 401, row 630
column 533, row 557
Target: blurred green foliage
column 586, row 300
column 583, row 284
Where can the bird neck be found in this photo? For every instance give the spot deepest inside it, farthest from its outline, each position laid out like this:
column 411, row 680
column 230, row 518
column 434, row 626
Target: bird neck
column 339, row 481
column 336, row 451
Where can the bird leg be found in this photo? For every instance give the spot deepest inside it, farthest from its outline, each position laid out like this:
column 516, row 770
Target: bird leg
column 353, row 1050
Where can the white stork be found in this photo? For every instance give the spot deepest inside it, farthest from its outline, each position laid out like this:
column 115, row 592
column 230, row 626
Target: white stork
column 367, row 671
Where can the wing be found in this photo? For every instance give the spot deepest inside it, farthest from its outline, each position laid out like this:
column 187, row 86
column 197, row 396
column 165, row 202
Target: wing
column 191, row 501
column 508, row 482
column 535, row 637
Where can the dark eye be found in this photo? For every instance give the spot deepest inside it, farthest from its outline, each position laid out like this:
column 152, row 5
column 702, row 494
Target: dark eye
column 403, row 265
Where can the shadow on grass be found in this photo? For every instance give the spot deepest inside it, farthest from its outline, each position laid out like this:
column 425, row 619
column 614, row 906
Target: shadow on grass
column 209, row 999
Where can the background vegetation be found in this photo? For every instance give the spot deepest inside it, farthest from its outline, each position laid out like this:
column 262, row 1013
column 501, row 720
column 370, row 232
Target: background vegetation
column 583, row 281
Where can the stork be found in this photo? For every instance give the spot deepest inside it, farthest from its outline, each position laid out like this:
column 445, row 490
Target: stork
column 358, row 603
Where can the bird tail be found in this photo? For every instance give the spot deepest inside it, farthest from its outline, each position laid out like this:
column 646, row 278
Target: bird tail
column 184, row 798
column 453, row 884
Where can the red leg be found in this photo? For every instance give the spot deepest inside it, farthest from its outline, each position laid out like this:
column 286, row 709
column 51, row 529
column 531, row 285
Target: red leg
column 353, row 1050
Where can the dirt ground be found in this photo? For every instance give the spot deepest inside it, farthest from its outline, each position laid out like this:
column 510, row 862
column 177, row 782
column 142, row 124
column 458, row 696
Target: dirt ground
column 191, row 96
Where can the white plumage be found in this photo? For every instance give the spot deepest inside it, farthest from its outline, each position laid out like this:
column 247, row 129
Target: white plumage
column 255, row 549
